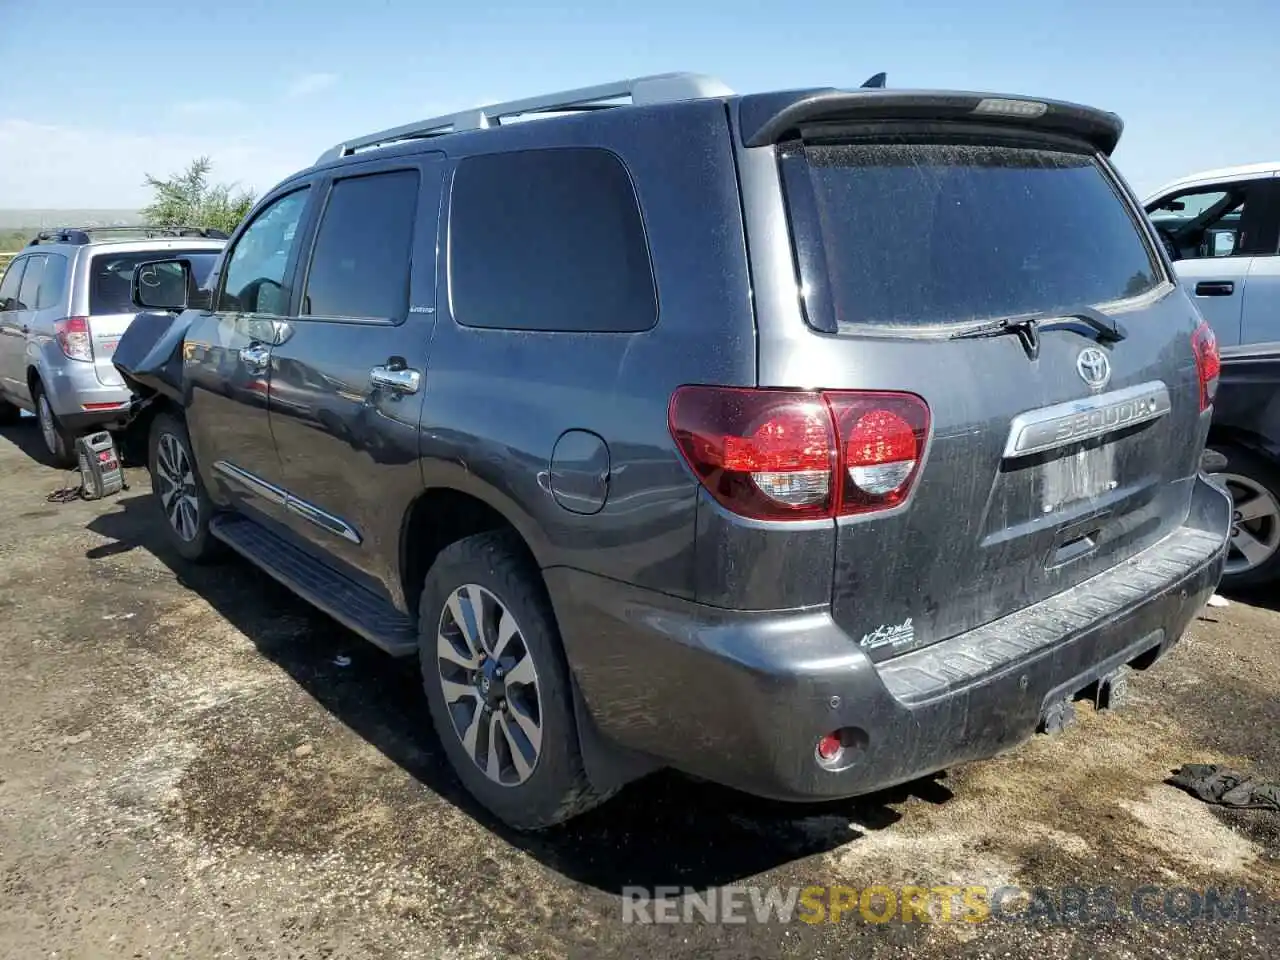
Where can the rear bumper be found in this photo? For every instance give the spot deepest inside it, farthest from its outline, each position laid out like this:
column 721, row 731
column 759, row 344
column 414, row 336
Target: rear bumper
column 72, row 385
column 742, row 699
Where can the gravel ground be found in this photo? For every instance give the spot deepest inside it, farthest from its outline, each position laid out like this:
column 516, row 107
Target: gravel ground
column 188, row 769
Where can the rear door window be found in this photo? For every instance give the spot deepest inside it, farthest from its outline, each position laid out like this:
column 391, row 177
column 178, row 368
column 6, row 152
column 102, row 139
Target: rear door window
column 549, row 240
column 10, row 285
column 360, row 261
column 912, row 234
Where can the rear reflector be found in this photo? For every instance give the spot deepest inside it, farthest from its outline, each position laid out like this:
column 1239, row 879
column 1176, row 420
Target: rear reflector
column 104, row 406
column 829, row 748
column 1204, row 343
column 72, row 334
column 800, row 455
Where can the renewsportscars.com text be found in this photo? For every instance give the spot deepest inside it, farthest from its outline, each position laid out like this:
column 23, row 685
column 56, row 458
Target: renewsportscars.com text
column 1073, row 905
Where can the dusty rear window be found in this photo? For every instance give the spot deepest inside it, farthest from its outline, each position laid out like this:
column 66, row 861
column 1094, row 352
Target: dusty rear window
column 913, row 234
column 111, row 276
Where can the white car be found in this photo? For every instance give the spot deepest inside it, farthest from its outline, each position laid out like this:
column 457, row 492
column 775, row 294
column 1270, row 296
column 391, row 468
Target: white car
column 1222, row 229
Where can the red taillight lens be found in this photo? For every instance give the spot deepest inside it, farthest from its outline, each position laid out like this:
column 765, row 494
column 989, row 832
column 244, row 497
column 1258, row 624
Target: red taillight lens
column 767, row 454
column 883, row 437
column 72, row 334
column 796, row 455
column 1204, row 343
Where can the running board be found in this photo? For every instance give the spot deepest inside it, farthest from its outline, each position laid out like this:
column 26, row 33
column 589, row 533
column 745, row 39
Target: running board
column 349, row 603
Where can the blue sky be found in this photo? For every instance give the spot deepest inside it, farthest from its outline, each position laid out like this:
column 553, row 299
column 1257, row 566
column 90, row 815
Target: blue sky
column 97, row 95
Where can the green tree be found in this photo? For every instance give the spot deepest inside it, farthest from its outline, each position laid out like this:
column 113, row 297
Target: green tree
column 189, row 199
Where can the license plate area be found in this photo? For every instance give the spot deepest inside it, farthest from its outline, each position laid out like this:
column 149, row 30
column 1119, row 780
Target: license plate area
column 1044, row 491
column 1085, row 474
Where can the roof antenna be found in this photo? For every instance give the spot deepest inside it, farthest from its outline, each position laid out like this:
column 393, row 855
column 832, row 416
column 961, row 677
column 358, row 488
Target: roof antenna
column 877, row 81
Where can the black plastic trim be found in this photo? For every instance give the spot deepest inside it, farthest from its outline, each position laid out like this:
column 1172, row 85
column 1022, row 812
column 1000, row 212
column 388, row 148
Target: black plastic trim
column 341, row 598
column 772, row 118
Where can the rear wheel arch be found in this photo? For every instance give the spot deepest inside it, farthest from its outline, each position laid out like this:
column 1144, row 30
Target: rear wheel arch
column 442, row 516
column 439, row 517
column 1221, row 437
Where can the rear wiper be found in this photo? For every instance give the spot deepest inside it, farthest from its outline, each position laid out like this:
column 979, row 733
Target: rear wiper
column 1028, row 329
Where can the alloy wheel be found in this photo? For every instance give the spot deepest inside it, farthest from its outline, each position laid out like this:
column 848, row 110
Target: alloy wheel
column 177, row 487
column 1255, row 523
column 490, row 685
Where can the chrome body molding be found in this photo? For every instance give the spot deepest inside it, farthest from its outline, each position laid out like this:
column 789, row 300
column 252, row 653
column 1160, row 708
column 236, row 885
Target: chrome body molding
column 258, row 487
column 1064, row 423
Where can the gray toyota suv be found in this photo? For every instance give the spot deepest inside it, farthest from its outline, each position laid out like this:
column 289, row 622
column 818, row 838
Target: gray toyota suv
column 64, row 303
column 808, row 442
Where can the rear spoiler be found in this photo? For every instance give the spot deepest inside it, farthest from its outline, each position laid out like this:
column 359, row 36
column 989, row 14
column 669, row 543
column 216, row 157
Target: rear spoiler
column 769, row 118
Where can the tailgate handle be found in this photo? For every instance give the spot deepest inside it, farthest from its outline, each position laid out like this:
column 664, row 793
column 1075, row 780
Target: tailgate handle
column 1215, row 288
column 1074, row 549
column 1077, row 539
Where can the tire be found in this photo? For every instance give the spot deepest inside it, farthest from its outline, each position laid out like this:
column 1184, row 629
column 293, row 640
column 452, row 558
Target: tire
column 1254, row 485
column 59, row 444
column 184, row 505
column 552, row 786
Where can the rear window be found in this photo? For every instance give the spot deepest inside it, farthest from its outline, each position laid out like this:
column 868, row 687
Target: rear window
column 913, row 234
column 111, row 276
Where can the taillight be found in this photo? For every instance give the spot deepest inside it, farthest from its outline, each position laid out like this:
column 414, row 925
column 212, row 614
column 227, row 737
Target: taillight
column 882, row 439
column 800, row 455
column 72, row 334
column 1204, row 344
column 762, row 453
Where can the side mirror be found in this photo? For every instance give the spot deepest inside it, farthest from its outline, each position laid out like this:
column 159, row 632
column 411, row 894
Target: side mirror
column 1222, row 243
column 165, row 285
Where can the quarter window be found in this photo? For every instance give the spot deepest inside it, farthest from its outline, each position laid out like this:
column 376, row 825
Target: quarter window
column 254, row 279
column 549, row 240
column 29, row 295
column 360, row 264
column 53, row 286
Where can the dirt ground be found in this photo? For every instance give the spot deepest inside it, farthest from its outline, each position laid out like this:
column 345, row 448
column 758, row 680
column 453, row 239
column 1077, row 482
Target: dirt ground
column 189, row 768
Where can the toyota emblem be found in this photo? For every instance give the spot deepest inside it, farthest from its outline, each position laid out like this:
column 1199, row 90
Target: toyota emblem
column 1094, row 367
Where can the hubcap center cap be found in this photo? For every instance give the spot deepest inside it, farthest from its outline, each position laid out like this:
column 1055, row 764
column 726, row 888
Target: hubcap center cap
column 489, row 684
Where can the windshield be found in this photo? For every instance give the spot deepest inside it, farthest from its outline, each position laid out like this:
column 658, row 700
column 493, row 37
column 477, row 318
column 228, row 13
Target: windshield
column 913, row 234
column 111, row 276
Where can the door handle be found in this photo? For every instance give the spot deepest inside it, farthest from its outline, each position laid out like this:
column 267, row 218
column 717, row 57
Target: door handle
column 1215, row 288
column 255, row 356
column 395, row 379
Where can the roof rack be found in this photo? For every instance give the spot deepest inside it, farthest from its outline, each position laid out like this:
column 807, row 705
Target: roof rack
column 82, row 235
column 659, row 88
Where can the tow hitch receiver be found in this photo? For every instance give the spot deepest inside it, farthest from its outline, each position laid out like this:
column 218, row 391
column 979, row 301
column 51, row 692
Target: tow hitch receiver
column 1113, row 689
column 1057, row 717
column 1107, row 692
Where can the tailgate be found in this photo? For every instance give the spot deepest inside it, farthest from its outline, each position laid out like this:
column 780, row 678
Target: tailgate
column 111, row 308
column 106, row 332
column 1057, row 448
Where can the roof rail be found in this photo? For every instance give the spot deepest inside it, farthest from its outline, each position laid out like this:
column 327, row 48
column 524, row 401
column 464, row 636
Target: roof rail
column 659, row 88
column 82, row 235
